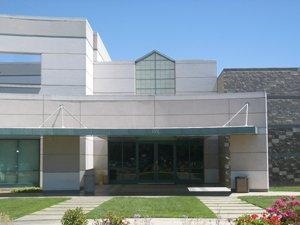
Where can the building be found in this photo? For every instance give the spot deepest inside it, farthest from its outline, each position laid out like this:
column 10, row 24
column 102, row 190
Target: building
column 283, row 97
column 152, row 120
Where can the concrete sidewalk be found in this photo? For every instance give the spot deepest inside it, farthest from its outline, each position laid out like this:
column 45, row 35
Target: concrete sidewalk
column 53, row 214
column 229, row 207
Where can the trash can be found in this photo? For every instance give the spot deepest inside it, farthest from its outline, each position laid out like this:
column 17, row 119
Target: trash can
column 241, row 185
column 89, row 182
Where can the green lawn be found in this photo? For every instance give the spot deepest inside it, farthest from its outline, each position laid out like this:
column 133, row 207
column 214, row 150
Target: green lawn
column 18, row 207
column 160, row 207
column 286, row 188
column 261, row 201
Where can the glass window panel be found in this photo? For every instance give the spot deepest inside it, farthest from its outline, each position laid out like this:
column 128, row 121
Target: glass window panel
column 150, row 57
column 160, row 57
column 129, row 161
column 115, row 161
column 19, row 162
column 196, row 156
column 165, row 91
column 8, row 162
column 169, row 65
column 146, row 91
column 146, row 161
column 182, row 161
column 160, row 73
column 28, row 162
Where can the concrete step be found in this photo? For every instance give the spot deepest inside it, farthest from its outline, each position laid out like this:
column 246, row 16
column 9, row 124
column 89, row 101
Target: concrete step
column 229, row 216
column 235, row 208
column 34, row 217
column 56, row 212
column 40, row 222
column 73, row 205
column 229, row 204
column 253, row 211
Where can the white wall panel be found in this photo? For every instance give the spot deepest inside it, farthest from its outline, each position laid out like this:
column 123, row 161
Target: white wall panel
column 114, row 85
column 62, row 77
column 38, row 45
column 63, row 90
column 196, row 68
column 121, row 108
column 213, row 106
column 114, row 70
column 21, row 25
column 195, row 85
column 64, row 62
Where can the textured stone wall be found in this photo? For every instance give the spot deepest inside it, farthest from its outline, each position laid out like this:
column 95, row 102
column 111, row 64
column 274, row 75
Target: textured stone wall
column 283, row 90
column 224, row 161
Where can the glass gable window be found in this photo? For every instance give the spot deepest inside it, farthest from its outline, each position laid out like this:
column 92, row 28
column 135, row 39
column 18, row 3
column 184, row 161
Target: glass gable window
column 155, row 75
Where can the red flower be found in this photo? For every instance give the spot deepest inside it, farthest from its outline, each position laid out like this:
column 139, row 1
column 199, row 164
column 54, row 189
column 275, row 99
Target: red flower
column 254, row 216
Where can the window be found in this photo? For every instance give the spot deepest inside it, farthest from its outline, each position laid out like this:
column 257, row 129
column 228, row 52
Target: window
column 122, row 161
column 155, row 75
column 20, row 73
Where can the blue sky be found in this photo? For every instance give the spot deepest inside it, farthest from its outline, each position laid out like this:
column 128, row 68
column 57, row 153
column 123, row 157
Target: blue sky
column 236, row 33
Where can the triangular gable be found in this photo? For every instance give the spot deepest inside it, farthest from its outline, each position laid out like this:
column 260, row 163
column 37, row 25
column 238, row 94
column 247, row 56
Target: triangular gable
column 151, row 53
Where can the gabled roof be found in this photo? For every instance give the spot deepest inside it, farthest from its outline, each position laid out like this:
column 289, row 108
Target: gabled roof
column 152, row 52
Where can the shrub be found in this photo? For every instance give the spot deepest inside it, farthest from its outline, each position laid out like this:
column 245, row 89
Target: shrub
column 112, row 219
column 288, row 209
column 26, row 190
column 285, row 211
column 74, row 217
column 4, row 219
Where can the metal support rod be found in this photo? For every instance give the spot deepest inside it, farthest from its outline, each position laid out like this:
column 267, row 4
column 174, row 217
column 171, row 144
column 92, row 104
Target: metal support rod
column 61, row 110
column 62, row 116
column 74, row 118
column 247, row 107
column 246, row 119
column 57, row 110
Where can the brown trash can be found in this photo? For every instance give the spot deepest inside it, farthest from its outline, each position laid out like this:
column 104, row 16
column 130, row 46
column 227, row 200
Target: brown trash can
column 89, row 182
column 241, row 185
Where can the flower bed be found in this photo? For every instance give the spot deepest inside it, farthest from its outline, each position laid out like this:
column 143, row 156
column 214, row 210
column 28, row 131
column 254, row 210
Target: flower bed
column 285, row 211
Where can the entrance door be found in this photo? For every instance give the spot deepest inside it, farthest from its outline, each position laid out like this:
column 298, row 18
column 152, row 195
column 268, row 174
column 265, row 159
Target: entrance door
column 146, row 162
column 165, row 163
column 156, row 163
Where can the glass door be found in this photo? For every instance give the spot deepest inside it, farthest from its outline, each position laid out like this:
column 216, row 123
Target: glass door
column 165, row 163
column 19, row 162
column 146, row 162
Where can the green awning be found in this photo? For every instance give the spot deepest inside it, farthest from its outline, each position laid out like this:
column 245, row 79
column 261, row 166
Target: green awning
column 176, row 131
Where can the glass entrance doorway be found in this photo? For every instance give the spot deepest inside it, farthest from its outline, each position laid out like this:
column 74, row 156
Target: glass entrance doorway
column 156, row 162
column 19, row 162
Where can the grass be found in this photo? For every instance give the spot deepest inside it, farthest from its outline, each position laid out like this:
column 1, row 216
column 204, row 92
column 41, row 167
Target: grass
column 160, row 207
column 261, row 201
column 18, row 207
column 286, row 188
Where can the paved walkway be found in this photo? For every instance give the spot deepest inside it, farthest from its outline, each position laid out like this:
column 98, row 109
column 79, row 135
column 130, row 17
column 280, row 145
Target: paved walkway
column 229, row 207
column 53, row 214
column 225, row 207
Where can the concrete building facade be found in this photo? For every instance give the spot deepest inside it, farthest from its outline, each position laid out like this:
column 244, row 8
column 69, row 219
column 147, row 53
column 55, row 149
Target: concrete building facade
column 153, row 120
